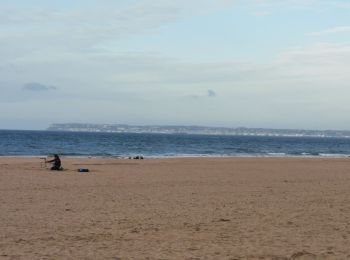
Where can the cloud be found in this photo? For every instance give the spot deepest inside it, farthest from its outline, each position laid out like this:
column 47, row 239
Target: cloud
column 318, row 55
column 310, row 5
column 12, row 15
column 211, row 93
column 29, row 92
column 306, row 81
column 338, row 29
column 98, row 22
column 153, row 75
column 342, row 5
column 52, row 33
column 34, row 86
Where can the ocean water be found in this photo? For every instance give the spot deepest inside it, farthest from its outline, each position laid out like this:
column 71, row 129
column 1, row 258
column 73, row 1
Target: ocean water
column 42, row 143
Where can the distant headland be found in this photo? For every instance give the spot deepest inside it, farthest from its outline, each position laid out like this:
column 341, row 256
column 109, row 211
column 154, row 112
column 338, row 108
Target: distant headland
column 200, row 130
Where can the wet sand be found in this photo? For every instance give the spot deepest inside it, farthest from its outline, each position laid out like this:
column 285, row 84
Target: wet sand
column 204, row 208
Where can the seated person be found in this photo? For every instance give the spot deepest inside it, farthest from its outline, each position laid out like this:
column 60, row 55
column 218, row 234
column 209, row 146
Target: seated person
column 56, row 166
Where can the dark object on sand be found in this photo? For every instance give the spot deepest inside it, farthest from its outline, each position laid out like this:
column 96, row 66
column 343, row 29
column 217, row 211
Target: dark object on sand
column 138, row 157
column 83, row 170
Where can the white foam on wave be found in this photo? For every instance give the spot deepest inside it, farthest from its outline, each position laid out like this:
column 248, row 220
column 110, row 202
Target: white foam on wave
column 277, row 154
column 334, row 155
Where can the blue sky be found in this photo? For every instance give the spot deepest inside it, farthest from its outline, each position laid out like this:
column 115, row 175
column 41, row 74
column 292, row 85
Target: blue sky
column 280, row 64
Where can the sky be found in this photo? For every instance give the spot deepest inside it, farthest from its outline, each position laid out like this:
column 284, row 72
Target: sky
column 252, row 63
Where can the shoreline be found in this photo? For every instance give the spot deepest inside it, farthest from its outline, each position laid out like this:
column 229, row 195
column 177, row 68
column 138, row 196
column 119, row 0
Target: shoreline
column 345, row 156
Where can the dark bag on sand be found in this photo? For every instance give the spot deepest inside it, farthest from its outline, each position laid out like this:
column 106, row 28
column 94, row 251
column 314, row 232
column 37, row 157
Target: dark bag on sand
column 83, row 170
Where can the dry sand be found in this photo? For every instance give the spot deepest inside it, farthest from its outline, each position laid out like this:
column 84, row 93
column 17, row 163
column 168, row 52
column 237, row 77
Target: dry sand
column 229, row 208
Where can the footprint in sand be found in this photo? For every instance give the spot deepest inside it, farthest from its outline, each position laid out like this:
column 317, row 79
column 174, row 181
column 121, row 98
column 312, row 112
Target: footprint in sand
column 303, row 255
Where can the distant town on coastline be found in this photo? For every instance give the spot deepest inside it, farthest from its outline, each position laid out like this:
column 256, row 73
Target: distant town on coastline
column 200, row 130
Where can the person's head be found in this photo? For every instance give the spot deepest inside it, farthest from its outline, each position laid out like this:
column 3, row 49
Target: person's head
column 56, row 156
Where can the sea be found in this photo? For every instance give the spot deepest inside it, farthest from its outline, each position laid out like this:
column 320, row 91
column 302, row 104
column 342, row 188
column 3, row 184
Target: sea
column 123, row 145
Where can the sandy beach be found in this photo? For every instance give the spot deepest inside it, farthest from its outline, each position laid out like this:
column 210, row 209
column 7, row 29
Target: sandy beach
column 203, row 208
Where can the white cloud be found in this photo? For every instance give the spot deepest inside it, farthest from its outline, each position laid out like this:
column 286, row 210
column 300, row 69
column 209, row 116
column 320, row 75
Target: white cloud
column 337, row 29
column 342, row 4
column 319, row 5
column 50, row 32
